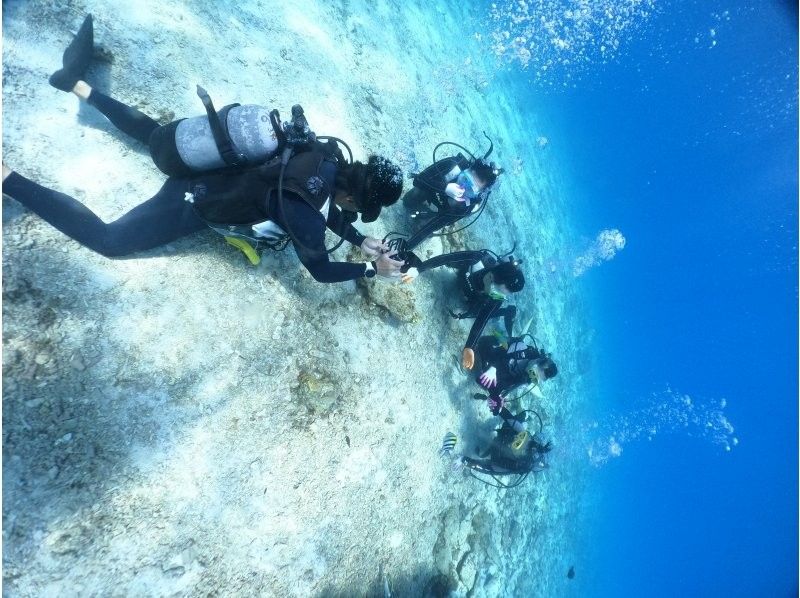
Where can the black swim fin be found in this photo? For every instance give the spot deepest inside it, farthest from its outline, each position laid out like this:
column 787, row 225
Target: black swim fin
column 76, row 59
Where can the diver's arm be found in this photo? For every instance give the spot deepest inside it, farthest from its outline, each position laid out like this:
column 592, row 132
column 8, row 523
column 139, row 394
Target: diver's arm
column 309, row 228
column 455, row 259
column 338, row 225
column 510, row 420
column 439, row 221
column 486, row 313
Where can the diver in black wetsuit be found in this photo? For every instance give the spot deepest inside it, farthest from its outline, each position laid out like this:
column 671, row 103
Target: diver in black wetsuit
column 454, row 187
column 514, row 450
column 485, row 280
column 316, row 184
column 505, row 367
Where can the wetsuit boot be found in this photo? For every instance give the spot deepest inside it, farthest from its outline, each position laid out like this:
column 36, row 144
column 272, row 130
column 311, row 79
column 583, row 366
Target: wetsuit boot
column 76, row 59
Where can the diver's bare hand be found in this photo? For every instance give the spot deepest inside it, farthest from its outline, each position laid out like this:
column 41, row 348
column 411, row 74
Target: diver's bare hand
column 387, row 267
column 455, row 191
column 409, row 276
column 373, row 247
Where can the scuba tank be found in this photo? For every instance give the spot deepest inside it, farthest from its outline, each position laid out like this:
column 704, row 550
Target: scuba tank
column 248, row 127
column 234, row 137
column 217, row 196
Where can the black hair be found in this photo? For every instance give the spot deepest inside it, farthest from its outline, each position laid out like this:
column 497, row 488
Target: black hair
column 548, row 367
column 373, row 185
column 510, row 275
column 484, row 171
column 384, row 180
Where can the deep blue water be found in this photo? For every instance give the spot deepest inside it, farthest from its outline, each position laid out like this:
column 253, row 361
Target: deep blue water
column 689, row 147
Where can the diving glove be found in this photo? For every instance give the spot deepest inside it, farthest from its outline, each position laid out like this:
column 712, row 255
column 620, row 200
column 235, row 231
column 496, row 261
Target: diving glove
column 489, row 377
column 467, row 358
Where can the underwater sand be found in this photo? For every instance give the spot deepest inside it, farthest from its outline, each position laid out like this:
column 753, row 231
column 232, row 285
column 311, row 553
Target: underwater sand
column 183, row 423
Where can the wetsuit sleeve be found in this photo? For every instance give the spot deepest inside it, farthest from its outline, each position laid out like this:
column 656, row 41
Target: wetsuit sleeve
column 344, row 229
column 309, row 228
column 509, row 313
column 454, row 260
column 431, row 226
column 433, row 177
column 486, row 348
column 487, row 311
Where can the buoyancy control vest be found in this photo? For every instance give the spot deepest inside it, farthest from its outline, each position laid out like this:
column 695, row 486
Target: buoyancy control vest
column 237, row 204
column 474, row 275
column 514, row 451
column 521, row 356
column 187, row 146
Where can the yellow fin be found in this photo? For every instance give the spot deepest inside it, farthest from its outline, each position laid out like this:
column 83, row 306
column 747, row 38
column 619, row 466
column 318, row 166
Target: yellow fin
column 245, row 248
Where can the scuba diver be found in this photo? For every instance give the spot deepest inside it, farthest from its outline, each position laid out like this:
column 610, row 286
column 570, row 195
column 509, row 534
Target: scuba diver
column 485, row 279
column 215, row 181
column 448, row 190
column 507, row 366
column 513, row 453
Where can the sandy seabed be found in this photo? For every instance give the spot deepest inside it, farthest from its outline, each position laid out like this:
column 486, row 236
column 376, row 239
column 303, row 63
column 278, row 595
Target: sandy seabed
column 183, row 423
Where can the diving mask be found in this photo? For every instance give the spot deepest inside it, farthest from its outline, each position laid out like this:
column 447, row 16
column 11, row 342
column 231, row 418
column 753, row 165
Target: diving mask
column 467, row 181
column 535, row 371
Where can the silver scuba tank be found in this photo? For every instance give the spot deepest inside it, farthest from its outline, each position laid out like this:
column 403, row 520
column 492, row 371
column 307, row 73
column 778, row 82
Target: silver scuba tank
column 249, row 128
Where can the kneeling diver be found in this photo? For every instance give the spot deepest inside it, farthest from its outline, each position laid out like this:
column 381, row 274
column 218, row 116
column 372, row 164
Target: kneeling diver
column 514, row 452
column 448, row 190
column 507, row 366
column 485, row 279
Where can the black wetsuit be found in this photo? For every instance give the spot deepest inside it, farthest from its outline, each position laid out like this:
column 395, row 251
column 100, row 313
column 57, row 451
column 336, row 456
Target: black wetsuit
column 480, row 306
column 429, row 191
column 167, row 217
column 511, row 367
column 503, row 459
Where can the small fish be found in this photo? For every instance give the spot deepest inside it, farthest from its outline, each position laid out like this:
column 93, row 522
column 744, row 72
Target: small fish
column 448, row 444
column 347, row 440
column 571, row 572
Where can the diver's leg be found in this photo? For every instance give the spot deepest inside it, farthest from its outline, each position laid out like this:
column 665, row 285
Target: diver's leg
column 436, row 223
column 76, row 60
column 128, row 120
column 509, row 313
column 161, row 219
column 76, row 57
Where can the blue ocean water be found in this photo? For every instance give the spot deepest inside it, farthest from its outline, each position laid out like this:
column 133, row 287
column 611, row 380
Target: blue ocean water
column 686, row 141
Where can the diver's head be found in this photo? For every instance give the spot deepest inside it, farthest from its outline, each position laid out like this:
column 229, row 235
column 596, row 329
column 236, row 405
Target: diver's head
column 542, row 369
column 509, row 275
column 367, row 188
column 485, row 174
